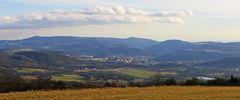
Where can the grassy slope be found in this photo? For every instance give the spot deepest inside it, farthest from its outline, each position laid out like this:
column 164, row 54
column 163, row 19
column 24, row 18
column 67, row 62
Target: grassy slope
column 149, row 93
column 69, row 78
column 29, row 70
column 138, row 73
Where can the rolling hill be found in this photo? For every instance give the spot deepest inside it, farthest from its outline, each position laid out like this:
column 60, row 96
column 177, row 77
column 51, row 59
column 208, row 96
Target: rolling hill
column 83, row 45
column 12, row 58
column 169, row 46
column 224, row 63
column 193, row 55
column 175, row 50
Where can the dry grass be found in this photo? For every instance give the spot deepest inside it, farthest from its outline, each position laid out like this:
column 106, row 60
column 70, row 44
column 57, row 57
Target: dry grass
column 149, row 93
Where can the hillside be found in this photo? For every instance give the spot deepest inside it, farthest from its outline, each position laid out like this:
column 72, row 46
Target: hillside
column 7, row 74
column 225, row 62
column 169, row 46
column 9, row 80
column 11, row 59
column 193, row 55
column 84, row 45
column 175, row 50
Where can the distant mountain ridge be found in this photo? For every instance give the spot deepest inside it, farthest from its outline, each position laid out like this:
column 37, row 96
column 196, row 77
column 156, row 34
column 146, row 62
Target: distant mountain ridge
column 175, row 50
column 84, row 45
column 169, row 46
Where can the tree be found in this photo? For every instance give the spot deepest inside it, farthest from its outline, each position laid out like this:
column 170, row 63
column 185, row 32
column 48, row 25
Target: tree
column 233, row 79
column 193, row 81
column 157, row 79
column 170, row 82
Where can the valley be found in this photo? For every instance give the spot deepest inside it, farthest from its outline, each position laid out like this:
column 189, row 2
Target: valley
column 119, row 50
column 79, row 59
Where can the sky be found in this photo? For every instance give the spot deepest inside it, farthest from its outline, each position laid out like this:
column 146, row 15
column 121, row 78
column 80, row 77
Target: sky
column 190, row 20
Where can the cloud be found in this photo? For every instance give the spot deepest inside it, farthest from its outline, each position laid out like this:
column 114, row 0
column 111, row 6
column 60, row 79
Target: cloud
column 88, row 16
column 69, row 2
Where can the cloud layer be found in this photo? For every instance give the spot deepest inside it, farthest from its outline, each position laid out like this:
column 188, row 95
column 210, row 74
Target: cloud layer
column 88, row 16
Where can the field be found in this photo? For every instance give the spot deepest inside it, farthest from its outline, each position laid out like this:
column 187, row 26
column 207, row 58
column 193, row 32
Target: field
column 69, row 78
column 148, row 93
column 30, row 70
column 139, row 74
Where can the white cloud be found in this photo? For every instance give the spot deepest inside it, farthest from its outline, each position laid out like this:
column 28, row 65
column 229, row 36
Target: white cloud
column 95, row 15
column 69, row 2
column 7, row 20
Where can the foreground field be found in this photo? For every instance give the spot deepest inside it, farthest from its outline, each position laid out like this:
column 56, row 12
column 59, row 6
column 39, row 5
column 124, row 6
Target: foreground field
column 149, row 93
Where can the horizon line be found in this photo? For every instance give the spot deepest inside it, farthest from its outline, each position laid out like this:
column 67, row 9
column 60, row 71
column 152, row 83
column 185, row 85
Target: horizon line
column 204, row 41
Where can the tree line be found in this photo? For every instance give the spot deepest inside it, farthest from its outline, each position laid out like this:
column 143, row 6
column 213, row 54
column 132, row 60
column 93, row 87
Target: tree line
column 8, row 84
